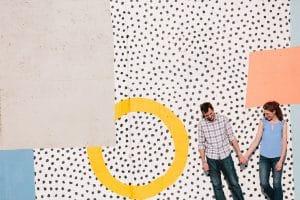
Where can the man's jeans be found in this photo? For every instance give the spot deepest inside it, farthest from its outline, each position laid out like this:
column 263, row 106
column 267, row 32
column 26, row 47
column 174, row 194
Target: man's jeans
column 227, row 167
column 265, row 167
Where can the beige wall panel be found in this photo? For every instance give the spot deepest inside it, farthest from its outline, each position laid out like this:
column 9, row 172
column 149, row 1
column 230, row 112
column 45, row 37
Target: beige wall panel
column 56, row 74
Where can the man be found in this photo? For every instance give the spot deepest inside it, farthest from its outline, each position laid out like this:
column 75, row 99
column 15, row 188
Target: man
column 215, row 140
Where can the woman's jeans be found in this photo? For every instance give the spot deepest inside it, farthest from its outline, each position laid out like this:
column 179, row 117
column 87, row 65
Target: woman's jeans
column 265, row 167
column 227, row 167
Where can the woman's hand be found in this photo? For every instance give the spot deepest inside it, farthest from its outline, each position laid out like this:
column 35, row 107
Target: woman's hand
column 278, row 166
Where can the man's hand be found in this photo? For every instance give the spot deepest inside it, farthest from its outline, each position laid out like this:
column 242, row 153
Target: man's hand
column 205, row 166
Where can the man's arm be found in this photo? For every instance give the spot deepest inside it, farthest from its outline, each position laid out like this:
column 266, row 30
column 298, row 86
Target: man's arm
column 234, row 142
column 201, row 148
column 236, row 147
column 203, row 158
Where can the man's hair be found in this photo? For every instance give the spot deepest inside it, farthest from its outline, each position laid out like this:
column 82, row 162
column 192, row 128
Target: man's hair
column 205, row 106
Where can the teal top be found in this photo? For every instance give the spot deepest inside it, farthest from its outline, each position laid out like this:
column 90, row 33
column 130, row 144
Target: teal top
column 271, row 143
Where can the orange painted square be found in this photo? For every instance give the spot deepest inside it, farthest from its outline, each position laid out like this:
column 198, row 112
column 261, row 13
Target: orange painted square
column 274, row 75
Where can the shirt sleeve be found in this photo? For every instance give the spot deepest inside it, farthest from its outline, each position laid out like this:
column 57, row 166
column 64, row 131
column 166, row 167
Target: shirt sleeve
column 229, row 130
column 201, row 138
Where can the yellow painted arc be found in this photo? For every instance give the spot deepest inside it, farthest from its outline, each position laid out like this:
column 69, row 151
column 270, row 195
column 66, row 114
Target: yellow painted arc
column 179, row 136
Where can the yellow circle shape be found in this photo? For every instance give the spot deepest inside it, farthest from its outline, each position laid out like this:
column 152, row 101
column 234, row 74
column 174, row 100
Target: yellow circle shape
column 180, row 138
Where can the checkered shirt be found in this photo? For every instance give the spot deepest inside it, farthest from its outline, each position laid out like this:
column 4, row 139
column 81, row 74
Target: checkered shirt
column 215, row 137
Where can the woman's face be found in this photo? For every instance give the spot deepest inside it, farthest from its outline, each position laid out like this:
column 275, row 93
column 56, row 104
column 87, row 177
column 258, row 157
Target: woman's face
column 269, row 115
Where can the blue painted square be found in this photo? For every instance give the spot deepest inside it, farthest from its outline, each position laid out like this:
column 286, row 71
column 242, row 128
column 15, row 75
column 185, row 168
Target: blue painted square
column 17, row 175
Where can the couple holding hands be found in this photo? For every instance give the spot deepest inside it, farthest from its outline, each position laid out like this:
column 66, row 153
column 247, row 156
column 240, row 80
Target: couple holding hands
column 216, row 138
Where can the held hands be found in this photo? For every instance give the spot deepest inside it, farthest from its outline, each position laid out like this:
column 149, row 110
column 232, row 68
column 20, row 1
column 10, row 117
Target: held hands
column 243, row 159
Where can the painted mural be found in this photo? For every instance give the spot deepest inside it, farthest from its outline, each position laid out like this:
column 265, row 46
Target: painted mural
column 175, row 54
column 169, row 57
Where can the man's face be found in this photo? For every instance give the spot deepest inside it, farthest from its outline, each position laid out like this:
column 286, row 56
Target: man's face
column 209, row 115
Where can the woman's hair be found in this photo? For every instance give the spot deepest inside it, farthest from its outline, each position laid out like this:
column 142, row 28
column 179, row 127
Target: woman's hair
column 274, row 106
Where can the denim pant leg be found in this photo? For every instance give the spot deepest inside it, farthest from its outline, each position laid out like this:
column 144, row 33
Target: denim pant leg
column 264, row 176
column 215, row 177
column 232, row 178
column 278, row 194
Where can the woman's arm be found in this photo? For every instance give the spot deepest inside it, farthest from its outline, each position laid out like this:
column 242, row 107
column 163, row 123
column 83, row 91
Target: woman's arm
column 255, row 142
column 279, row 164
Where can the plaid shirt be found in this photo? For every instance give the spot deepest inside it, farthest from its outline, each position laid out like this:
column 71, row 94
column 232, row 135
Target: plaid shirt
column 215, row 137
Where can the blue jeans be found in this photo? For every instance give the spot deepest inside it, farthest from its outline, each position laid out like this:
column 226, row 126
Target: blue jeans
column 265, row 167
column 227, row 167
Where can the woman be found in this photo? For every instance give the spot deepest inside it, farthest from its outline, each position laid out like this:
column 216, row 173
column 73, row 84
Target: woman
column 272, row 137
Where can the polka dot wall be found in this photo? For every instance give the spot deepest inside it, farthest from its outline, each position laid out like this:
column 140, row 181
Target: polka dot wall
column 178, row 53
